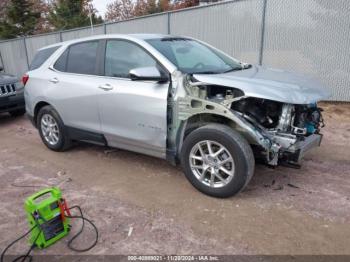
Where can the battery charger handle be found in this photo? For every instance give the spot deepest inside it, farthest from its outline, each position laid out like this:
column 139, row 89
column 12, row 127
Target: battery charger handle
column 54, row 192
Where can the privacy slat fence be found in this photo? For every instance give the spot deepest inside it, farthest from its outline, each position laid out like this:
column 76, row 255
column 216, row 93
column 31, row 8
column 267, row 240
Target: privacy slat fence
column 307, row 36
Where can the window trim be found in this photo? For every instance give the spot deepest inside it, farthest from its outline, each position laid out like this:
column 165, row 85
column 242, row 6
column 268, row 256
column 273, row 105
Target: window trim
column 103, row 65
column 58, row 58
column 100, row 61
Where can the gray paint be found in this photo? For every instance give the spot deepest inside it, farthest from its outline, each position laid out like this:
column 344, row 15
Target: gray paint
column 271, row 84
column 106, row 105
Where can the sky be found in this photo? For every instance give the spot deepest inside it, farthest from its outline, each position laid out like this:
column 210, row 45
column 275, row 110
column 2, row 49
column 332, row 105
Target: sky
column 100, row 5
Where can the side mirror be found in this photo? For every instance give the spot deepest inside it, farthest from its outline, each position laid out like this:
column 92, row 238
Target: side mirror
column 147, row 74
column 1, row 68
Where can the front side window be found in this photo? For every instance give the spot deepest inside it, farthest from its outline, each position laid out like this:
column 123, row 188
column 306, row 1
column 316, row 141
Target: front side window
column 122, row 56
column 41, row 56
column 193, row 57
column 82, row 58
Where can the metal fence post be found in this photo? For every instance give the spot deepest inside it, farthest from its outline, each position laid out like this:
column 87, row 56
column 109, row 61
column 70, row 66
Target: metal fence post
column 262, row 38
column 61, row 39
column 2, row 62
column 26, row 51
column 104, row 28
column 169, row 31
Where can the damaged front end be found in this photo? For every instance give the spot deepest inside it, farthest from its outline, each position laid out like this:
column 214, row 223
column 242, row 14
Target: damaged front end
column 278, row 131
column 292, row 130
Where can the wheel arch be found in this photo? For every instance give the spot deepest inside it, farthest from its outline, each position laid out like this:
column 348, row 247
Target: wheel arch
column 198, row 120
column 37, row 108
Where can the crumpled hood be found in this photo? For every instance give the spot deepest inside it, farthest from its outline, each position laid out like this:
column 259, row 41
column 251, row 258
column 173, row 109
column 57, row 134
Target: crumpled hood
column 7, row 79
column 272, row 84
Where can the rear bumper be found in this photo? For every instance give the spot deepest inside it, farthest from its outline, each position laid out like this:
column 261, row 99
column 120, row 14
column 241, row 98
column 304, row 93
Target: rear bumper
column 300, row 148
column 12, row 103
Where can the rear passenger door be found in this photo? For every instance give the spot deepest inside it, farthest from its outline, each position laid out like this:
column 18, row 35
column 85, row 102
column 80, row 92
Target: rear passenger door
column 133, row 113
column 74, row 87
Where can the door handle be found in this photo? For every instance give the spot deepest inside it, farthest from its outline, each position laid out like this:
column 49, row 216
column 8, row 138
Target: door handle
column 54, row 80
column 106, row 87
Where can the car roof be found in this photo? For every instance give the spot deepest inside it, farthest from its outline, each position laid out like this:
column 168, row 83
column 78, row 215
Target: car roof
column 107, row 36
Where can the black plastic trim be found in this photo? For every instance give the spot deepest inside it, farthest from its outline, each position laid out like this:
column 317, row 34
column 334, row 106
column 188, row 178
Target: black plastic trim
column 11, row 103
column 87, row 136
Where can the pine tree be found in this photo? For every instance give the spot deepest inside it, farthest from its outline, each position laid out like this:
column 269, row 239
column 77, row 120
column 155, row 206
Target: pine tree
column 19, row 20
column 67, row 14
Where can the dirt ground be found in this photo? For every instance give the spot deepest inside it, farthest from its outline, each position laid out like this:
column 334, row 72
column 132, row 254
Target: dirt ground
column 143, row 205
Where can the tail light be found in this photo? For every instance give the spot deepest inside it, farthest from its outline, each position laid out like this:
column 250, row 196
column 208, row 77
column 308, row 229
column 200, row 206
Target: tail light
column 25, row 79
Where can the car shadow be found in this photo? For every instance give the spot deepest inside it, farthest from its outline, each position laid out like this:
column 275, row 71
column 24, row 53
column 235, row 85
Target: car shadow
column 266, row 179
column 6, row 118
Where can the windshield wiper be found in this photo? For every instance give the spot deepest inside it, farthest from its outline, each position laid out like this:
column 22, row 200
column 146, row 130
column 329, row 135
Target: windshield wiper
column 207, row 72
column 244, row 66
column 233, row 69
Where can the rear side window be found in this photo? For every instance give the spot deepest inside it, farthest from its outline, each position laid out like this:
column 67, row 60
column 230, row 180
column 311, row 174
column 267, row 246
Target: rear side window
column 79, row 58
column 61, row 63
column 41, row 57
column 82, row 58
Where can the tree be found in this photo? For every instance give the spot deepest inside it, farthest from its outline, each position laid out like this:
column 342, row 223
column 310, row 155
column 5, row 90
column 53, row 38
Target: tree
column 120, row 10
column 19, row 19
column 67, row 14
column 180, row 4
column 3, row 8
column 43, row 7
column 125, row 9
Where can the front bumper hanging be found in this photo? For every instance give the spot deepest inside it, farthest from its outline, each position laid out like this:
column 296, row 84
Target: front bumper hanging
column 297, row 151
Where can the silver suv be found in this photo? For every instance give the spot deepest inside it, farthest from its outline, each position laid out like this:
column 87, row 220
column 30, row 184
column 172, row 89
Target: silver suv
column 174, row 98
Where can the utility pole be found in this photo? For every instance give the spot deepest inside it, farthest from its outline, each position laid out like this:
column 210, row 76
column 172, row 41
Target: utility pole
column 90, row 16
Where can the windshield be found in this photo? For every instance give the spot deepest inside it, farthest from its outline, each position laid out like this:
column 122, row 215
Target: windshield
column 192, row 57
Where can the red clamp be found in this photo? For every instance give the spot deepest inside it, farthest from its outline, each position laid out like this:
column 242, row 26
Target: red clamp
column 64, row 208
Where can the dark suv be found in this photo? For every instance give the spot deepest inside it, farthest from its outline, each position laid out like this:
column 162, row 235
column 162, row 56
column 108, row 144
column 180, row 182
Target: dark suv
column 11, row 94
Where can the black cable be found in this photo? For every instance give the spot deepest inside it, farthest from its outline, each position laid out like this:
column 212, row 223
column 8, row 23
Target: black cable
column 15, row 241
column 69, row 244
column 24, row 257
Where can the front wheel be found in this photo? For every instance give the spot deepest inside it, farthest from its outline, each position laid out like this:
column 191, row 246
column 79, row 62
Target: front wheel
column 217, row 160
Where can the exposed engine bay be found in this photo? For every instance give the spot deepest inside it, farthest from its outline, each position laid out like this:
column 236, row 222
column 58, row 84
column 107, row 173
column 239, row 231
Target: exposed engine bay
column 279, row 132
column 294, row 119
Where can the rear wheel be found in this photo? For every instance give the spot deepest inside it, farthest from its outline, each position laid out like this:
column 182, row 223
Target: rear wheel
column 217, row 160
column 51, row 129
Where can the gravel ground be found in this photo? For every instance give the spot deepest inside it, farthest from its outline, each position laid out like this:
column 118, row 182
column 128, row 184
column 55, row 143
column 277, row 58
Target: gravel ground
column 142, row 205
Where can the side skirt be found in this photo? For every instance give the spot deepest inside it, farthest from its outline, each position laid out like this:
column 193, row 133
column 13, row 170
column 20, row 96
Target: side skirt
column 86, row 136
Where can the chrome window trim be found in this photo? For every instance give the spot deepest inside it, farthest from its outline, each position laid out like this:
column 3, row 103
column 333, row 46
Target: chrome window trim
column 99, row 76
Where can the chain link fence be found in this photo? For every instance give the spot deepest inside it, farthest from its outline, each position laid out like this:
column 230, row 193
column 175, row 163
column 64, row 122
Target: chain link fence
column 306, row 36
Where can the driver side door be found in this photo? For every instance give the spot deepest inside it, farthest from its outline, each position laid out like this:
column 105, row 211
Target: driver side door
column 133, row 114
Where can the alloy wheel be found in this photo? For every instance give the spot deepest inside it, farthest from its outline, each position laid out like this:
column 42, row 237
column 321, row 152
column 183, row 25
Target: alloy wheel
column 50, row 129
column 211, row 163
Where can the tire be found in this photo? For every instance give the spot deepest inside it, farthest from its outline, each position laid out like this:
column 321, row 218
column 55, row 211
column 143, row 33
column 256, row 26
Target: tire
column 235, row 147
column 63, row 142
column 19, row 112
